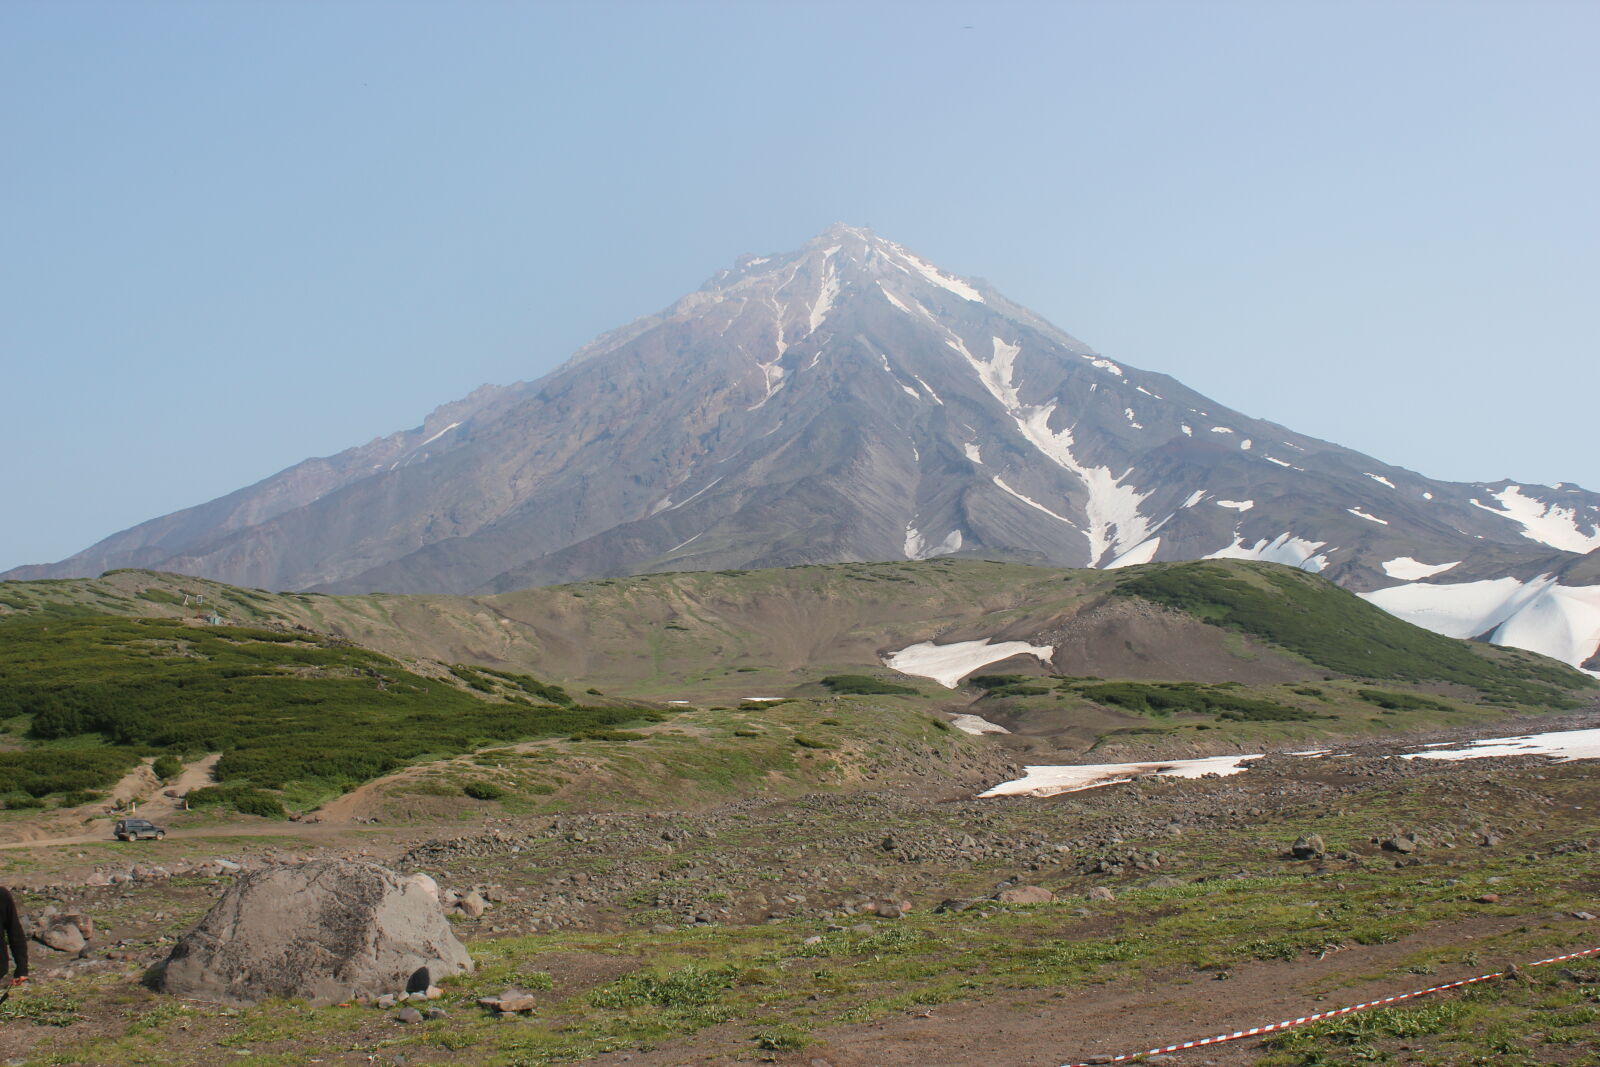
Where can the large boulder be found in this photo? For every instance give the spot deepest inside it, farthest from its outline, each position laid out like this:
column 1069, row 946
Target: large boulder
column 325, row 931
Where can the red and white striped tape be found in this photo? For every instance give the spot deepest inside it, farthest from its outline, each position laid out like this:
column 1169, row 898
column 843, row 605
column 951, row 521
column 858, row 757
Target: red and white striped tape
column 1255, row 1031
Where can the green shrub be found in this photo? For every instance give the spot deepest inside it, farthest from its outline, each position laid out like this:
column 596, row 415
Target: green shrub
column 608, row 735
column 483, row 791
column 167, row 768
column 809, row 742
column 863, row 685
column 255, row 802
column 1401, row 701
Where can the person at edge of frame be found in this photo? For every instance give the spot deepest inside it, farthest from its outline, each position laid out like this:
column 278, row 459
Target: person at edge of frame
column 11, row 933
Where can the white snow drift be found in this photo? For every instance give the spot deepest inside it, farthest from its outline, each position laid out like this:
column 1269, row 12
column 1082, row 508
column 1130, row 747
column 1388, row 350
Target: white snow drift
column 1049, row 781
column 1560, row 621
column 1286, row 548
column 948, row 664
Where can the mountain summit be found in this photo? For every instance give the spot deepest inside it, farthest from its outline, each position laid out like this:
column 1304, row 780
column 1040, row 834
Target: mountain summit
column 852, row 401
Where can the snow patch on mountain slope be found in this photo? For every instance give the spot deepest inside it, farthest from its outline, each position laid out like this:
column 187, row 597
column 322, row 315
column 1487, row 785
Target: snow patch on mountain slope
column 1358, row 513
column 972, row 452
column 948, row 664
column 977, row 724
column 1135, row 423
column 438, row 435
column 1112, row 510
column 1409, row 570
column 1143, row 552
column 931, row 394
column 1549, row 524
column 1104, row 364
column 938, row 277
column 1032, row 503
column 1562, row 745
column 1236, row 505
column 887, row 295
column 1194, row 498
column 1464, row 609
column 1380, row 478
column 828, row 291
column 917, row 546
column 1541, row 615
column 1286, row 548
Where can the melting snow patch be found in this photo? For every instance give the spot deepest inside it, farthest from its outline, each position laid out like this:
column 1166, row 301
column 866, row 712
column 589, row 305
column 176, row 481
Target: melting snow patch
column 1106, row 364
column 1143, row 552
column 1050, row 781
column 1358, row 513
column 1188, row 431
column 1286, row 548
column 942, row 280
column 948, row 664
column 972, row 452
column 1549, row 524
column 1279, row 462
column 1245, row 444
column 1032, row 503
column 917, row 546
column 440, row 434
column 1195, row 498
column 1237, row 505
column 1465, row 609
column 1380, row 478
column 1564, row 745
column 1220, row 429
column 977, row 724
column 1131, row 420
column 1409, row 570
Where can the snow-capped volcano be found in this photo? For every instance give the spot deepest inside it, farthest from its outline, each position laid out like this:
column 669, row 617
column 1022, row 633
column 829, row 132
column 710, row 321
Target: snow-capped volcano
column 850, row 401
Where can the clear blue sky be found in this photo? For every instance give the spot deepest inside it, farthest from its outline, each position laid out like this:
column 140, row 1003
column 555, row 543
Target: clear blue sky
column 234, row 235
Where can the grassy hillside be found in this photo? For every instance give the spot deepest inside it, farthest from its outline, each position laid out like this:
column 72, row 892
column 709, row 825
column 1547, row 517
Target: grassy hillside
column 1340, row 632
column 313, row 694
column 90, row 695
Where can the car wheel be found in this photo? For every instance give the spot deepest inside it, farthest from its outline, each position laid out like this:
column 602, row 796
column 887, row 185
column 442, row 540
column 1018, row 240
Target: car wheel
column 160, row 834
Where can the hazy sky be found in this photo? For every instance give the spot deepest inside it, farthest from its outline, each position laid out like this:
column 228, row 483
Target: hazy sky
column 234, row 235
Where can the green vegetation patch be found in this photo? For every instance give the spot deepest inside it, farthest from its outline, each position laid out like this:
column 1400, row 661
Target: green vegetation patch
column 1166, row 698
column 281, row 707
column 1336, row 629
column 864, row 685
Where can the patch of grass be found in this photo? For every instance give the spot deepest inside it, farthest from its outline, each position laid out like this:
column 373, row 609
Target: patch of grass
column 864, row 685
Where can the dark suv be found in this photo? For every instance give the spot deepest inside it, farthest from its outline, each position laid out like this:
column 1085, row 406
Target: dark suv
column 138, row 830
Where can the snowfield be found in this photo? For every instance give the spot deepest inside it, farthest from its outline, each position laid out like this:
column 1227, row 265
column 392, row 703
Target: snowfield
column 1549, row 524
column 1563, row 745
column 1286, row 548
column 1409, row 570
column 1051, row 781
column 1046, row 781
column 1560, row 621
column 977, row 724
column 948, row 664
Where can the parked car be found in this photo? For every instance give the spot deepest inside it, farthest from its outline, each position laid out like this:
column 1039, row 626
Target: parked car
column 138, row 830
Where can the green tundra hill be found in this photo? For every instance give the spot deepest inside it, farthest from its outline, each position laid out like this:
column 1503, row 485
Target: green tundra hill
column 307, row 695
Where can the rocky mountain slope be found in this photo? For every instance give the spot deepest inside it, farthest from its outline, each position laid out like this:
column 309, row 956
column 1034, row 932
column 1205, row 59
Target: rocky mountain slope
column 851, row 401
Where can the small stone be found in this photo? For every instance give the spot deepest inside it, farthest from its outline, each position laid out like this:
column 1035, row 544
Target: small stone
column 387, row 1001
column 1487, row 898
column 408, row 1015
column 1583, row 915
column 1025, row 894
column 1102, row 893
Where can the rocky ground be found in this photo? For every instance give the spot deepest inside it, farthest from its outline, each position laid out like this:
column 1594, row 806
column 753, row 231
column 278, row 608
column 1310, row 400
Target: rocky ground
column 911, row 925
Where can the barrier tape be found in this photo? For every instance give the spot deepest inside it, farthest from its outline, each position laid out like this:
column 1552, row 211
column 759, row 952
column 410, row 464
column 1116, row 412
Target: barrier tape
column 1255, row 1031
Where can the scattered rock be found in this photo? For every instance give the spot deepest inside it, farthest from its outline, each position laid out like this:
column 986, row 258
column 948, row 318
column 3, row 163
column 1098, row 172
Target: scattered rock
column 408, row 1015
column 1100, row 892
column 512, row 1000
column 1309, row 848
column 1025, row 894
